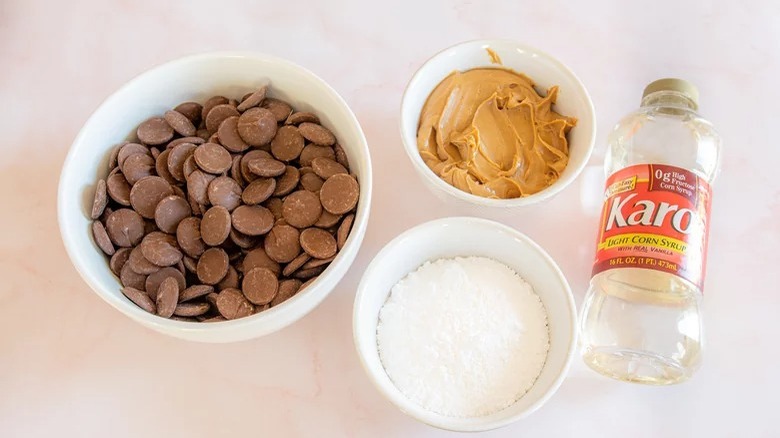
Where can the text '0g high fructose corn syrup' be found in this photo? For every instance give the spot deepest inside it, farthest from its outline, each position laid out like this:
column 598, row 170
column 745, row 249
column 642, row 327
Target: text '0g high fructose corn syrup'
column 641, row 320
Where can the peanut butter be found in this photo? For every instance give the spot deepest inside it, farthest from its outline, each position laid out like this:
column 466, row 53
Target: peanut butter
column 487, row 131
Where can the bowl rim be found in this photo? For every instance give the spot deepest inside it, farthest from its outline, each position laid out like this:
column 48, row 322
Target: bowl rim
column 546, row 193
column 393, row 394
column 193, row 329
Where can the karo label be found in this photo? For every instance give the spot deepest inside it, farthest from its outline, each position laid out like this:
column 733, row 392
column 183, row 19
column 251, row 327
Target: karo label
column 655, row 217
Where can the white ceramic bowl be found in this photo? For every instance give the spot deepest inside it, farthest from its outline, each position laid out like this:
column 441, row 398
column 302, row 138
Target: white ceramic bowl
column 543, row 69
column 197, row 78
column 466, row 236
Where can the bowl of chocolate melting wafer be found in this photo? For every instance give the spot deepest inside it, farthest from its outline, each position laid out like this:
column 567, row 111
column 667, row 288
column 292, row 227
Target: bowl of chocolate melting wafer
column 218, row 197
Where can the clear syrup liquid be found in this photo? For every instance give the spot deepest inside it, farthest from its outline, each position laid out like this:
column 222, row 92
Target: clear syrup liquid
column 641, row 325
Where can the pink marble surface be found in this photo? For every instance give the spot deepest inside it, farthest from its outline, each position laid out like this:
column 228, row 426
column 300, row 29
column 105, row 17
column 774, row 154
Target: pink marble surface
column 72, row 366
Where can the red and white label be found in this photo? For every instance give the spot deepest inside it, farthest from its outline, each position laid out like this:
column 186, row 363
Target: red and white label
column 655, row 217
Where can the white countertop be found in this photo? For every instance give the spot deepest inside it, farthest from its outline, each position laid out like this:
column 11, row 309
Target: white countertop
column 70, row 365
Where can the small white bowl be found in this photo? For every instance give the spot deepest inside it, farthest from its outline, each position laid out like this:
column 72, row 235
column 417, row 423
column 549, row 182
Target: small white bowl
column 466, row 236
column 543, row 69
column 197, row 78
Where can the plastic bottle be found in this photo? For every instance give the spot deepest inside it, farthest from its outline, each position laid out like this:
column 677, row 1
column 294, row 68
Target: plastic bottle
column 641, row 320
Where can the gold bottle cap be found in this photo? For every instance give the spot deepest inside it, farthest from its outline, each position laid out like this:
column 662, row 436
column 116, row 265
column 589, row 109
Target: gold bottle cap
column 681, row 86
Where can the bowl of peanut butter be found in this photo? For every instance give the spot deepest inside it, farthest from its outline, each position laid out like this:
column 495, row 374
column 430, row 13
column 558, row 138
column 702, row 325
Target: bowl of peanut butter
column 497, row 123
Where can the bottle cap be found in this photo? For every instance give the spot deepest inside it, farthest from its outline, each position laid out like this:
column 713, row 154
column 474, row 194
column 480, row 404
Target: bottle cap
column 681, row 86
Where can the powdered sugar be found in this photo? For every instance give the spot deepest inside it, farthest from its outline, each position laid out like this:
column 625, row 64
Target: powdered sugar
column 463, row 337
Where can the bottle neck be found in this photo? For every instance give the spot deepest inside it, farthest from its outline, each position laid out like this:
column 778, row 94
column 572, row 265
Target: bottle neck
column 669, row 99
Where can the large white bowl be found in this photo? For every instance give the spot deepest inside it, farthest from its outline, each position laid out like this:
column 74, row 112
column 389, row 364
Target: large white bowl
column 466, row 236
column 197, row 78
column 543, row 69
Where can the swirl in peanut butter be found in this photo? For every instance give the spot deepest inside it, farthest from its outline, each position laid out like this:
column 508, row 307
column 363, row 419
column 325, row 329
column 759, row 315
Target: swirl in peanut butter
column 487, row 131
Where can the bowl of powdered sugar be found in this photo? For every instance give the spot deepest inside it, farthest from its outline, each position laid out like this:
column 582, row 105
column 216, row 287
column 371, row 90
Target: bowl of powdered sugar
column 465, row 324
